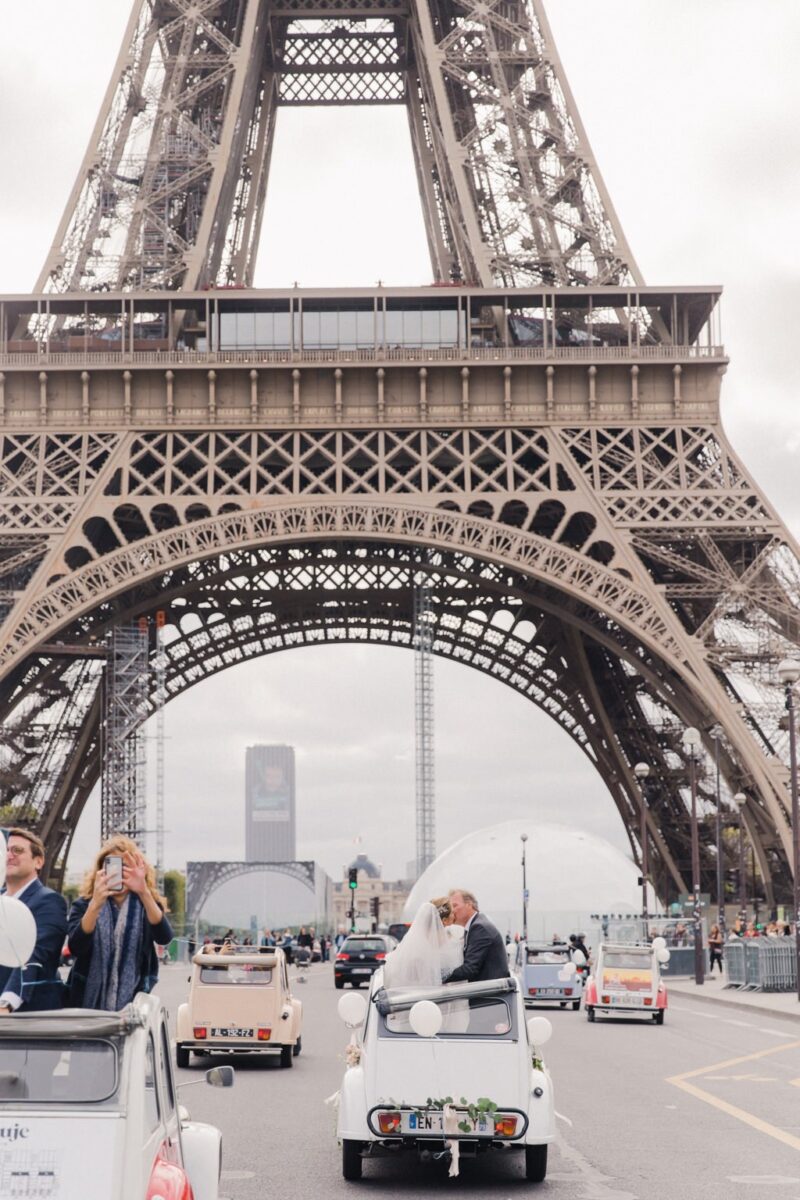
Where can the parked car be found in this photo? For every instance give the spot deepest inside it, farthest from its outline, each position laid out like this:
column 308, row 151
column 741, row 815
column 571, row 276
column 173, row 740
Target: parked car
column 468, row 1079
column 627, row 979
column 65, row 1074
column 240, row 1003
column 360, row 955
column 548, row 974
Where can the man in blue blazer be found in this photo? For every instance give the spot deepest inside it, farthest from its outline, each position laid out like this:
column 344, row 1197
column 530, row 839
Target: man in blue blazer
column 37, row 987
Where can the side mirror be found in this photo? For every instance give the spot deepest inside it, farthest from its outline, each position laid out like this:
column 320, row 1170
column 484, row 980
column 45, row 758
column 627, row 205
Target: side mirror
column 221, row 1077
column 539, row 1031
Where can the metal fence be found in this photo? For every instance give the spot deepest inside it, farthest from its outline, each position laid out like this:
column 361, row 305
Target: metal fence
column 761, row 964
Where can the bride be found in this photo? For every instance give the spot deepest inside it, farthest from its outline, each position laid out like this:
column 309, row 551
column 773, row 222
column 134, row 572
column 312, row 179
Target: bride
column 432, row 948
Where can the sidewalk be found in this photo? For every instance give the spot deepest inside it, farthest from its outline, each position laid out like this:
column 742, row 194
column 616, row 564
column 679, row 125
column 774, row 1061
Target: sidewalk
column 713, row 991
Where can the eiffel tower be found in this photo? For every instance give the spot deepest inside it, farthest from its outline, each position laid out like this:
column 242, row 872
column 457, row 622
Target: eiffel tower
column 537, row 434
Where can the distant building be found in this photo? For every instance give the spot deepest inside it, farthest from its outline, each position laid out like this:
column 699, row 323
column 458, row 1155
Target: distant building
column 391, row 896
column 270, row 825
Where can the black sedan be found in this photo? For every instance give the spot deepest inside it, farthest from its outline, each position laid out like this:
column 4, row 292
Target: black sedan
column 360, row 956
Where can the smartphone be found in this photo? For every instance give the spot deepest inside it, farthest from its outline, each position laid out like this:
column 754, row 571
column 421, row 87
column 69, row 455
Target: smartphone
column 113, row 866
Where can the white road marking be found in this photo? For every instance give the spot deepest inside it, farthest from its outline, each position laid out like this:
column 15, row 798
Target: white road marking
column 737, row 1078
column 229, row 1176
column 769, row 1179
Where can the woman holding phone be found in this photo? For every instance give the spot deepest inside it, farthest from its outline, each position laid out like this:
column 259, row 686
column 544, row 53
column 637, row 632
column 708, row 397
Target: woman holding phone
column 114, row 927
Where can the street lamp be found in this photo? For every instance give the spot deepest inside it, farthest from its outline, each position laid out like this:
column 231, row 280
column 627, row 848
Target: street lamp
column 740, row 800
column 789, row 673
column 716, row 734
column 523, row 838
column 641, row 771
column 691, row 745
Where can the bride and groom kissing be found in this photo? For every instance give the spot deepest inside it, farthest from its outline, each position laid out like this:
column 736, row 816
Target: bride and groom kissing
column 449, row 941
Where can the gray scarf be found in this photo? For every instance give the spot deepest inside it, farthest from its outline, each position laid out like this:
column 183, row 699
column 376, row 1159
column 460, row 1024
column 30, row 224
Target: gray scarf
column 114, row 970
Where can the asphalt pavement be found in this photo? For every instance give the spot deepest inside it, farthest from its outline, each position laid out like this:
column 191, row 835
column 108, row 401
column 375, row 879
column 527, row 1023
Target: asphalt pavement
column 705, row 1107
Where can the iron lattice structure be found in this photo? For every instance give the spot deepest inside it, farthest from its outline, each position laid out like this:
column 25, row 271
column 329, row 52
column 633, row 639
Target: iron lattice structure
column 424, row 713
column 125, row 705
column 171, row 190
column 540, row 439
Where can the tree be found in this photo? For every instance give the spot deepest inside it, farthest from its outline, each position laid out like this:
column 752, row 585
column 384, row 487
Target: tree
column 175, row 891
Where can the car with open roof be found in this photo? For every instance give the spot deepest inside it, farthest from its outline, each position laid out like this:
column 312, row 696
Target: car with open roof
column 89, row 1108
column 240, row 1002
column 453, row 1071
column 549, row 973
column 626, row 979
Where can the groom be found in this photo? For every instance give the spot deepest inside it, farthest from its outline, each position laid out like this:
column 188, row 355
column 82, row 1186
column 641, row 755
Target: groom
column 485, row 954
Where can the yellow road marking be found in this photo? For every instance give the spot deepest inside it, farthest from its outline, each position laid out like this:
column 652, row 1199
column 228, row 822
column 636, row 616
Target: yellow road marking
column 740, row 1114
column 795, row 1082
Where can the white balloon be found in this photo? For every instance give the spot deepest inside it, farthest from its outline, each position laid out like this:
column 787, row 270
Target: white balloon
column 578, row 957
column 352, row 1008
column 567, row 971
column 662, row 954
column 425, row 1018
column 659, row 943
column 17, row 932
column 539, row 1031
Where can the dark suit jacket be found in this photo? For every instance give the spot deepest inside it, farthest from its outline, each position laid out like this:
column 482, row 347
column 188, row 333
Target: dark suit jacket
column 39, row 985
column 485, row 954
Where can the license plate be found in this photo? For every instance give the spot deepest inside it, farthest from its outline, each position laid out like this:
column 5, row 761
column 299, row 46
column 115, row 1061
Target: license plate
column 232, row 1031
column 548, row 992
column 361, row 971
column 628, row 1001
column 433, row 1122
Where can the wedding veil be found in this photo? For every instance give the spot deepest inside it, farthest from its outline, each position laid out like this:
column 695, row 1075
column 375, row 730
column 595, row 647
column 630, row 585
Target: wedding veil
column 421, row 958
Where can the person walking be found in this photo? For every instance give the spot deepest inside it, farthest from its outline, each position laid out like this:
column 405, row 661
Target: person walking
column 113, row 931
column 714, row 949
column 37, row 988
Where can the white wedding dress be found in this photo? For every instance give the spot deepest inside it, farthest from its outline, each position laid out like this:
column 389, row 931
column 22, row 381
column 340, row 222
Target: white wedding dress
column 427, row 954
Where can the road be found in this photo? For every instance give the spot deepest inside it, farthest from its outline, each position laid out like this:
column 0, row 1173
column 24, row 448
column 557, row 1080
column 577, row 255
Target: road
column 706, row 1107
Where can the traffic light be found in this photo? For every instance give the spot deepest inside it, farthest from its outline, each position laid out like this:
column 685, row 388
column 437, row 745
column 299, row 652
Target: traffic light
column 353, row 877
column 375, row 906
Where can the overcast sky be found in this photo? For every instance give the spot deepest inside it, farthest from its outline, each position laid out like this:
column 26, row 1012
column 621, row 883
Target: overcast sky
column 693, row 111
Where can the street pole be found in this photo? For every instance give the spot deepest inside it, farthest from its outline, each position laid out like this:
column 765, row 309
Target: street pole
column 789, row 673
column 691, row 745
column 716, row 734
column 740, row 801
column 641, row 771
column 524, row 839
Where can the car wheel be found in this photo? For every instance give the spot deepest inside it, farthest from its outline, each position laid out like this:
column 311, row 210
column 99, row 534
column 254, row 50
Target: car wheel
column 339, row 983
column 589, row 1013
column 351, row 1160
column 286, row 1056
column 182, row 1056
column 297, row 1047
column 659, row 1017
column 535, row 1163
column 576, row 1005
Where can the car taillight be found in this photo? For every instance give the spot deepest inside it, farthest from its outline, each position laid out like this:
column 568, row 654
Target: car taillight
column 606, row 999
column 342, row 957
column 648, row 999
column 505, row 1126
column 389, row 1122
column 567, row 991
column 380, row 955
column 264, row 1035
column 168, row 1181
column 200, row 1032
column 531, row 991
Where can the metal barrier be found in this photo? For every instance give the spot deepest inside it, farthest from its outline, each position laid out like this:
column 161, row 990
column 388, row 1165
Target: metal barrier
column 761, row 964
column 733, row 962
column 681, row 961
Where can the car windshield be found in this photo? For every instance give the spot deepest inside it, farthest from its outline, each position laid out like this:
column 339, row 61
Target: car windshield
column 364, row 945
column 47, row 1070
column 238, row 973
column 619, row 959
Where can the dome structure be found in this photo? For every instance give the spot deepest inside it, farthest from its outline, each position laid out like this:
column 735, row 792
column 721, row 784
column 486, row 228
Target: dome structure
column 362, row 863
column 570, row 875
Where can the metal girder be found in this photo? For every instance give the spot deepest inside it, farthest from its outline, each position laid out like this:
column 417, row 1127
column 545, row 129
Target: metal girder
column 172, row 188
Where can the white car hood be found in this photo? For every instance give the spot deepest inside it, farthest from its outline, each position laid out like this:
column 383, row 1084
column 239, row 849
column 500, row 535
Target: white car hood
column 45, row 1154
